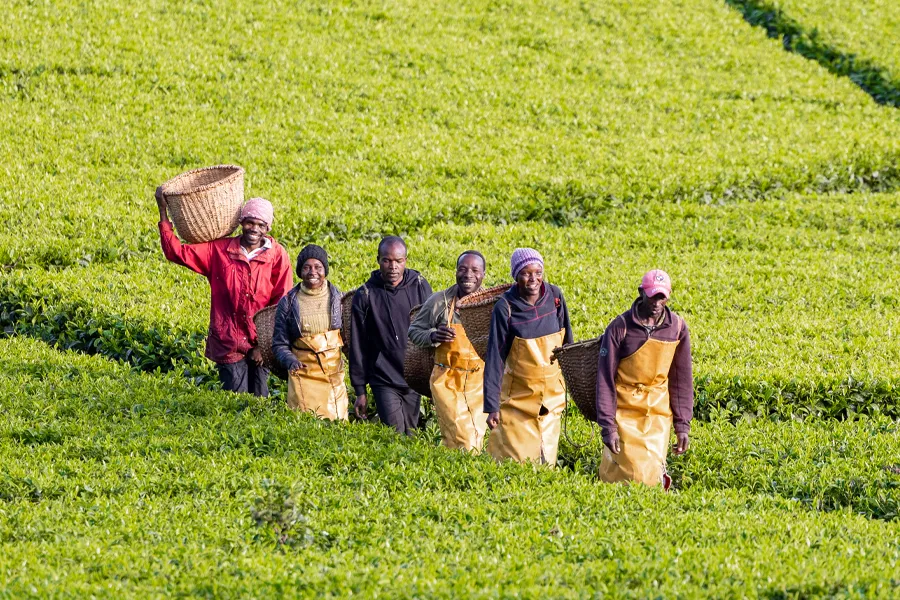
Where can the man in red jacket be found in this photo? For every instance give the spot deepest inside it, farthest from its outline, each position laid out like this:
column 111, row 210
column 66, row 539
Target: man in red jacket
column 246, row 274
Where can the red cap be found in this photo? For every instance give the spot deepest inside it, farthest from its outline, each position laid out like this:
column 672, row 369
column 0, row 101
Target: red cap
column 656, row 282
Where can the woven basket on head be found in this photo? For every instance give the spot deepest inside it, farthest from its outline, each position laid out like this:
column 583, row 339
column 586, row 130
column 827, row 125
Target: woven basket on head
column 418, row 363
column 205, row 204
column 475, row 315
column 265, row 330
column 578, row 363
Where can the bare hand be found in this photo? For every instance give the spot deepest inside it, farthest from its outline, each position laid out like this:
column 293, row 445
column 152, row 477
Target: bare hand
column 359, row 407
column 613, row 443
column 298, row 369
column 493, row 420
column 162, row 204
column 682, row 444
column 443, row 334
column 255, row 356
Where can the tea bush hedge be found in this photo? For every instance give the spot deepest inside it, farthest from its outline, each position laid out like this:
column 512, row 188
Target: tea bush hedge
column 125, row 484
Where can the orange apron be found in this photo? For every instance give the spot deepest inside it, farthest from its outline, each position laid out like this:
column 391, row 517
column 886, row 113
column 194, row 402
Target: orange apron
column 643, row 416
column 457, row 389
column 532, row 399
column 320, row 387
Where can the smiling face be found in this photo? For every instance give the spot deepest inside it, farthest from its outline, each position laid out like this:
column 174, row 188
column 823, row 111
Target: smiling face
column 530, row 279
column 313, row 273
column 469, row 273
column 252, row 232
column 392, row 262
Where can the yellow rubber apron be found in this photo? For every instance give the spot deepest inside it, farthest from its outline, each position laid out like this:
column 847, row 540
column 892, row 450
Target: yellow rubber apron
column 457, row 389
column 532, row 399
column 320, row 387
column 643, row 416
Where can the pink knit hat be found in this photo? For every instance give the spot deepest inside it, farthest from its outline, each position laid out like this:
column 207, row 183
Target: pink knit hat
column 521, row 258
column 259, row 209
column 656, row 282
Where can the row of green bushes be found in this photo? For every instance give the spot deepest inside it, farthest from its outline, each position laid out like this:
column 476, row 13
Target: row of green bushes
column 355, row 127
column 850, row 39
column 138, row 485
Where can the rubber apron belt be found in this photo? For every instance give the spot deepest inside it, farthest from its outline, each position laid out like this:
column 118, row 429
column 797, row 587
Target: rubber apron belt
column 532, row 398
column 319, row 388
column 457, row 389
column 643, row 416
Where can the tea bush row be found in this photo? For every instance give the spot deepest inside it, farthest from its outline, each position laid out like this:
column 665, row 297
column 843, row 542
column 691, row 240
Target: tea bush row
column 848, row 38
column 792, row 304
column 124, row 484
column 371, row 118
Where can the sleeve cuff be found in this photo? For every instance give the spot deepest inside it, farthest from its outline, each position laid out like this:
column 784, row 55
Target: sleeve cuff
column 682, row 427
column 608, row 431
column 359, row 390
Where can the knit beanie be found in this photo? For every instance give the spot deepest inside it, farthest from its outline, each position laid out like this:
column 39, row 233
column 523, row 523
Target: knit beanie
column 312, row 251
column 259, row 209
column 521, row 258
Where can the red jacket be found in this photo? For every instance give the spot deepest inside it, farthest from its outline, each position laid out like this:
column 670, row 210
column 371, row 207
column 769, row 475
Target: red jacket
column 238, row 288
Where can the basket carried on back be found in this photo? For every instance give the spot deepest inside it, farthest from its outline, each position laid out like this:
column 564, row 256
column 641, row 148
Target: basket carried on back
column 265, row 330
column 578, row 363
column 205, row 204
column 418, row 364
column 475, row 315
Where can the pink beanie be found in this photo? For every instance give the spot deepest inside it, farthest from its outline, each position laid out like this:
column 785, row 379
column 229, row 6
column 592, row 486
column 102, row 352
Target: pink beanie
column 259, row 209
column 521, row 258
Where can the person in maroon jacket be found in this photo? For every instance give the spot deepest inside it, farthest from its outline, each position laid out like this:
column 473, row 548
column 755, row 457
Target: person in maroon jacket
column 246, row 273
column 644, row 384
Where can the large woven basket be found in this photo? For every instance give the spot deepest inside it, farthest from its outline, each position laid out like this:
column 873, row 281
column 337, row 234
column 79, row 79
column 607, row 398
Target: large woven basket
column 578, row 363
column 265, row 330
column 346, row 320
column 475, row 315
column 205, row 204
column 418, row 363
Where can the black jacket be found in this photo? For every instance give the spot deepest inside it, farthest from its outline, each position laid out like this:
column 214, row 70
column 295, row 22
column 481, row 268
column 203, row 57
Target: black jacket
column 287, row 324
column 379, row 331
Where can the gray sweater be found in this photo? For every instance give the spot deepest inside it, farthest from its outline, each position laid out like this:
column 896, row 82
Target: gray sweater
column 432, row 315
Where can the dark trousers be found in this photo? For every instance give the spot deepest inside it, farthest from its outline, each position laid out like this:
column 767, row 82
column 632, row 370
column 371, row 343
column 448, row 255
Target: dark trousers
column 398, row 407
column 244, row 376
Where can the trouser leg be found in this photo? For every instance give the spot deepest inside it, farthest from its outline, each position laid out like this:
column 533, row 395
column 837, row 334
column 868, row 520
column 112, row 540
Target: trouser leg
column 258, row 380
column 412, row 402
column 389, row 403
column 233, row 376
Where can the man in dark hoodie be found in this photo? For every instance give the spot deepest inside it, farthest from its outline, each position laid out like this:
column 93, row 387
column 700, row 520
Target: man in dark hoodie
column 378, row 337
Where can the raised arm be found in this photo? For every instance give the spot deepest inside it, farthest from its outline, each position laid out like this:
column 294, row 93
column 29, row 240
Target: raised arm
column 195, row 257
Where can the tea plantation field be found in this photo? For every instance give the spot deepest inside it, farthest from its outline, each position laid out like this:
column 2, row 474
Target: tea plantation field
column 614, row 137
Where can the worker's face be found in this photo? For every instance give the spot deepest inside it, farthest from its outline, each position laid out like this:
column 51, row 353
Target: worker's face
column 392, row 263
column 469, row 273
column 252, row 231
column 653, row 305
column 530, row 279
column 313, row 273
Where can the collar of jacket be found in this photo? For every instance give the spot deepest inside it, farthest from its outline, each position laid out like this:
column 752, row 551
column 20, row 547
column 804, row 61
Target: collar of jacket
column 234, row 250
column 635, row 318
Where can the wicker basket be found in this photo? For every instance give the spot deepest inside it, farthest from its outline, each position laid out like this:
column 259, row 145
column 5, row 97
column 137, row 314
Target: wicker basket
column 205, row 204
column 346, row 320
column 265, row 330
column 579, row 368
column 475, row 315
column 418, row 363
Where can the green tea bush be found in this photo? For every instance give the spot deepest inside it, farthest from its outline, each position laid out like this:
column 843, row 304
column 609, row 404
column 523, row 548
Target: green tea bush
column 791, row 304
column 125, row 484
column 375, row 117
column 849, row 38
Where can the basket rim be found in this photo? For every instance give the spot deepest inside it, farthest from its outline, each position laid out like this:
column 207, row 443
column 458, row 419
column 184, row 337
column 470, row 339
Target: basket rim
column 483, row 297
column 575, row 345
column 237, row 171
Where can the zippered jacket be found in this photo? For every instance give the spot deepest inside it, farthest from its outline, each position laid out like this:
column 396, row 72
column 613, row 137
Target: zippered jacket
column 287, row 324
column 238, row 288
column 378, row 335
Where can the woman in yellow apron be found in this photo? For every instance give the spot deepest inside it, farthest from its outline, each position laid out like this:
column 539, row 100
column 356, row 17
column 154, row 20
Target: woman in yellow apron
column 457, row 380
column 307, row 339
column 644, row 384
column 524, row 394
